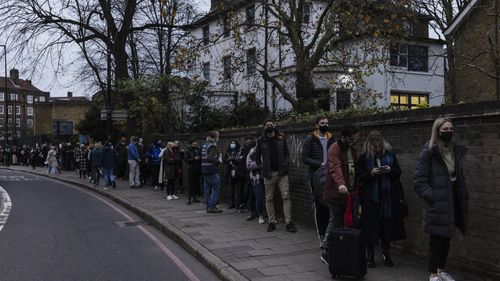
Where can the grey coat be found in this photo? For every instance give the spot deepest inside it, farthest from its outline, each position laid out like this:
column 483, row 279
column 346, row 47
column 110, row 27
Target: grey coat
column 432, row 183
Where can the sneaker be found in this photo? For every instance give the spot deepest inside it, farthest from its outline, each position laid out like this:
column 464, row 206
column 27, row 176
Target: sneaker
column 156, row 189
column 250, row 217
column 435, row 278
column 271, row 227
column 324, row 257
column 106, row 188
column 169, row 197
column 175, row 197
column 443, row 276
column 261, row 220
column 290, row 227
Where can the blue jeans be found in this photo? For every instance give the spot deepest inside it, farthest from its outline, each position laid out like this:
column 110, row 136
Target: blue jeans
column 211, row 185
column 258, row 190
column 107, row 173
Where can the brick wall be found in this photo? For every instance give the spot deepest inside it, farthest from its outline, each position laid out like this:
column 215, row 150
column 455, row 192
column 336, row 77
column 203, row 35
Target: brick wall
column 45, row 114
column 477, row 126
column 472, row 48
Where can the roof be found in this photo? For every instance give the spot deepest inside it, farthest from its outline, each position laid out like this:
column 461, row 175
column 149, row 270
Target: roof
column 21, row 85
column 459, row 19
column 68, row 99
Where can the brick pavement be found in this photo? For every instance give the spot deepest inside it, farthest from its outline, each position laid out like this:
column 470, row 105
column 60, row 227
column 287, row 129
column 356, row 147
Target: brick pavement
column 236, row 249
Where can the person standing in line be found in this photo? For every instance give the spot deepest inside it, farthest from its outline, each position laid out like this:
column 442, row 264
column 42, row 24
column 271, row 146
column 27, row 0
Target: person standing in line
column 378, row 172
column 340, row 180
column 121, row 158
column 271, row 155
column 168, row 169
column 133, row 161
column 52, row 160
column 315, row 155
column 230, row 160
column 108, row 164
column 193, row 159
column 180, row 171
column 210, row 160
column 95, row 162
column 257, row 184
column 153, row 154
column 439, row 181
column 144, row 167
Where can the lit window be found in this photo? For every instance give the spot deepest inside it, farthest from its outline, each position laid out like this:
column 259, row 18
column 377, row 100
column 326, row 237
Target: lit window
column 42, row 99
column 409, row 100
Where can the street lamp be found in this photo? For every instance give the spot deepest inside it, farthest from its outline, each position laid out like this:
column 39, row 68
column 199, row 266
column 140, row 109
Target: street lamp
column 6, row 123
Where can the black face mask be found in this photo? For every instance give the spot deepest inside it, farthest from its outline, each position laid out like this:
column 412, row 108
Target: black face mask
column 446, row 136
column 323, row 129
column 269, row 130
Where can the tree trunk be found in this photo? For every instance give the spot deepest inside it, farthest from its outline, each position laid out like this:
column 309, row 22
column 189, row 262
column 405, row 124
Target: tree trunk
column 304, row 90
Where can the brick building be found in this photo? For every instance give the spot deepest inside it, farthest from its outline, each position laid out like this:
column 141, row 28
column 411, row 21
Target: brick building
column 476, row 32
column 60, row 115
column 17, row 105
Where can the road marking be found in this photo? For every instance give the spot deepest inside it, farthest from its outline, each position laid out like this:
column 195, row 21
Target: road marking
column 189, row 274
column 7, row 206
column 14, row 178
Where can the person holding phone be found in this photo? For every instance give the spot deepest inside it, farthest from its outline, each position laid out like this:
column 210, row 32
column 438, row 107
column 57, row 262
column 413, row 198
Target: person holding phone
column 378, row 170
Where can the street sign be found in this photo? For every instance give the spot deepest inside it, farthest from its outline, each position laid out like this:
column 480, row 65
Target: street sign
column 116, row 115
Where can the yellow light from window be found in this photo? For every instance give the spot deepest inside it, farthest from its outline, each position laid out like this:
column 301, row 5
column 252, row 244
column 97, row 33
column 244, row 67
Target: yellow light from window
column 395, row 99
column 403, row 99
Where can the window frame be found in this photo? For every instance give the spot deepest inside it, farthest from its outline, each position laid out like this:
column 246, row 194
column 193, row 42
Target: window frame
column 40, row 98
column 18, row 110
column 29, row 99
column 226, row 65
column 206, row 71
column 408, row 57
column 206, row 35
column 251, row 62
column 408, row 97
column 15, row 97
column 18, row 122
column 306, row 12
column 28, row 109
column 2, row 96
column 9, row 109
column 2, row 109
column 226, row 26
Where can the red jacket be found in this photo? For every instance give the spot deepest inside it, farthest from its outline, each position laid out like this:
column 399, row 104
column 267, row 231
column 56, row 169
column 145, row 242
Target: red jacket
column 338, row 172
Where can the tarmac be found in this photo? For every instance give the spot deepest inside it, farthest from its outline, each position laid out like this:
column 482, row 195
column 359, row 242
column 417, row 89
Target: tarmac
column 236, row 249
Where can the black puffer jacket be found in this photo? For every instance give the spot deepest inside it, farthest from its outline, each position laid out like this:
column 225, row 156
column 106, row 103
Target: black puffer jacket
column 432, row 183
column 263, row 154
column 312, row 151
column 108, row 157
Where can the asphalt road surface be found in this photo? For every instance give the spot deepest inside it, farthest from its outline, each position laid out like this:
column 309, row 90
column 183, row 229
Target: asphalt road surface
column 58, row 232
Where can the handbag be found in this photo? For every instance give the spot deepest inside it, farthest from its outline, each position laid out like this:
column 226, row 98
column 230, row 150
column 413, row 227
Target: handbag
column 403, row 206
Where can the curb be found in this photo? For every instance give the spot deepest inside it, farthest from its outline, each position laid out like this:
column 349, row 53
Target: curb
column 214, row 263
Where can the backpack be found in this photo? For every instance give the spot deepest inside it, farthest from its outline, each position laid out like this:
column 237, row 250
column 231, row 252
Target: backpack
column 319, row 179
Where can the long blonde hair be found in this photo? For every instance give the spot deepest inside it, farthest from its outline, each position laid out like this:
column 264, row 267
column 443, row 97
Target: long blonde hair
column 435, row 131
column 375, row 136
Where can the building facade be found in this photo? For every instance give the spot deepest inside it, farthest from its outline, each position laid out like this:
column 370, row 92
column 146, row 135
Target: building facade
column 235, row 44
column 18, row 98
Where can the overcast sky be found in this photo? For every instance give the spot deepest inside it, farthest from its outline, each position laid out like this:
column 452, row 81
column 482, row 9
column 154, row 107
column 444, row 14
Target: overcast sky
column 65, row 83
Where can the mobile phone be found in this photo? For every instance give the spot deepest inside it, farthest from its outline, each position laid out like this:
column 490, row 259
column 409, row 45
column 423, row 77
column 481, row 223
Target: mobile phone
column 384, row 167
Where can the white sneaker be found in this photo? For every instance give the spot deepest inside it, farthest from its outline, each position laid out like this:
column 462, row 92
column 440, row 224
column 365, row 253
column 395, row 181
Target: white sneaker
column 261, row 220
column 169, row 197
column 435, row 278
column 175, row 197
column 445, row 276
column 106, row 188
column 156, row 188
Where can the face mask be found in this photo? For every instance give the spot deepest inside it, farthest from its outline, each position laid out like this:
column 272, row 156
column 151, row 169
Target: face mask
column 232, row 146
column 323, row 129
column 269, row 130
column 446, row 136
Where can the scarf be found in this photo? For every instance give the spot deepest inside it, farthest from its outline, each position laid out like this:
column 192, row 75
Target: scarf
column 380, row 186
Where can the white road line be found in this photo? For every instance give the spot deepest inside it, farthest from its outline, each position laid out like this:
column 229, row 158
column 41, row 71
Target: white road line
column 7, row 205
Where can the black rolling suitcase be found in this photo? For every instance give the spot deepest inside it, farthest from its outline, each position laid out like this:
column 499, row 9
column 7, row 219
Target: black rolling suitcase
column 346, row 253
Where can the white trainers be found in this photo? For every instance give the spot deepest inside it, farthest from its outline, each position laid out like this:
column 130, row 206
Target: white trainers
column 435, row 278
column 443, row 276
column 261, row 220
column 169, row 197
column 175, row 197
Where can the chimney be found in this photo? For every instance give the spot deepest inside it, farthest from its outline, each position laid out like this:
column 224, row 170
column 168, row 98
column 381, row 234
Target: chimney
column 14, row 75
column 70, row 94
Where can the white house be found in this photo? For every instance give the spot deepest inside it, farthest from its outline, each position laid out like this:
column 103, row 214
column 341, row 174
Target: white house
column 235, row 43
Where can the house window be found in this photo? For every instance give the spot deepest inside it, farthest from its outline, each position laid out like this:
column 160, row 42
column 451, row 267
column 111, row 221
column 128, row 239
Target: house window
column 343, row 99
column 13, row 97
column 18, row 110
column 227, row 67
column 18, row 122
column 2, row 96
column 9, row 121
column 9, row 109
column 306, row 12
column 251, row 59
column 1, row 109
column 1, row 122
column 29, row 111
column 414, row 58
column 42, row 99
column 29, row 123
column 206, row 71
column 18, row 134
column 206, row 35
column 226, row 26
column 29, row 99
column 250, row 12
column 409, row 100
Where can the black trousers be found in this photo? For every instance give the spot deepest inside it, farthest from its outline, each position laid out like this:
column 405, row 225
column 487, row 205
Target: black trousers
column 321, row 213
column 155, row 173
column 336, row 220
column 439, row 246
column 171, row 187
column 194, row 178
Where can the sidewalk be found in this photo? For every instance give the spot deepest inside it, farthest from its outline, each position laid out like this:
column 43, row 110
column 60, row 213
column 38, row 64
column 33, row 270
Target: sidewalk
column 234, row 248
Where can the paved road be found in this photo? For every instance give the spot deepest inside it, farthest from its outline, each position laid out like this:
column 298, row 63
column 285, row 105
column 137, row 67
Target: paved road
column 59, row 232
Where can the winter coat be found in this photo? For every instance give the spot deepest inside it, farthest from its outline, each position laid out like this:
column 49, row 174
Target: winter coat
column 194, row 166
column 108, row 158
column 52, row 158
column 432, row 182
column 252, row 167
column 171, row 161
column 121, row 153
column 338, row 172
column 263, row 154
column 81, row 157
column 371, row 221
column 95, row 157
column 312, row 151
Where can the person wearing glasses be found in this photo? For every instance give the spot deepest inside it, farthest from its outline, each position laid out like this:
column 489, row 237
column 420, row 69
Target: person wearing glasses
column 439, row 181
